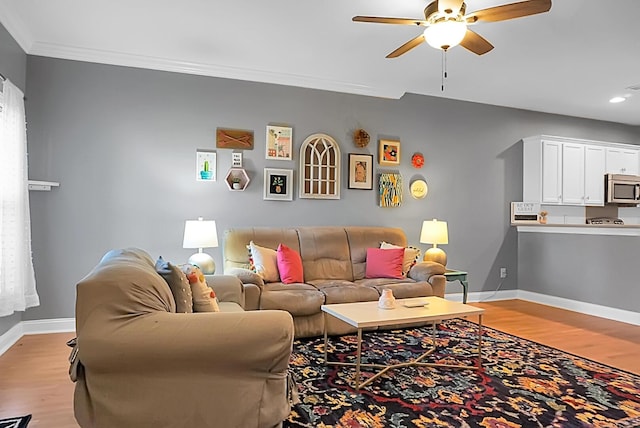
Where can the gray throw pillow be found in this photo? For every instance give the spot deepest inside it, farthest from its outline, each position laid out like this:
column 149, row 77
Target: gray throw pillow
column 178, row 283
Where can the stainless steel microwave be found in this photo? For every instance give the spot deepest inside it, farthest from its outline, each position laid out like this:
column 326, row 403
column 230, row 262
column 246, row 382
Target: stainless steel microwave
column 622, row 189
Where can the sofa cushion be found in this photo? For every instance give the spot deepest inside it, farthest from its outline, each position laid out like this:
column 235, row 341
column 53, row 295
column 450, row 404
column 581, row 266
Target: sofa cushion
column 363, row 237
column 384, row 263
column 325, row 253
column 265, row 262
column 411, row 256
column 178, row 283
column 236, row 241
column 230, row 307
column 402, row 289
column 346, row 292
column 297, row 299
column 289, row 265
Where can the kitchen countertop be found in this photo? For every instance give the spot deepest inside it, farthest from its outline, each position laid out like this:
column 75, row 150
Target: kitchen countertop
column 581, row 229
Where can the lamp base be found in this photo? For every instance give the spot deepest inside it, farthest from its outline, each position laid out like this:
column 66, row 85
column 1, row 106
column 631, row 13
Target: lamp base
column 204, row 261
column 436, row 255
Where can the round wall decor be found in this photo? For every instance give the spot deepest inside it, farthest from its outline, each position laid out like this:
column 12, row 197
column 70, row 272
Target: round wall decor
column 417, row 160
column 361, row 138
column 419, row 189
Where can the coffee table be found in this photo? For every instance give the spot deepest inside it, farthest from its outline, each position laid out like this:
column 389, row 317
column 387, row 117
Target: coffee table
column 367, row 314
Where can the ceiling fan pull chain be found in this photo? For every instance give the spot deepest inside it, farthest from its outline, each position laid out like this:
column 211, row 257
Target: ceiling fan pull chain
column 444, row 67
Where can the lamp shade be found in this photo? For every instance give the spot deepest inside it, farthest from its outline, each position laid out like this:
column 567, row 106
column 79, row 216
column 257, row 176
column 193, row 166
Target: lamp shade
column 434, row 232
column 200, row 234
column 445, row 34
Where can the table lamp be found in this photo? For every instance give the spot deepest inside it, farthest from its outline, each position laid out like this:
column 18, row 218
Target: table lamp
column 201, row 234
column 434, row 232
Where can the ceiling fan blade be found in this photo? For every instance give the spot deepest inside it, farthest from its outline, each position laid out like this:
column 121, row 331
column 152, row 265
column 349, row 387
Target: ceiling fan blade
column 383, row 20
column 407, row 46
column 510, row 11
column 451, row 7
column 475, row 43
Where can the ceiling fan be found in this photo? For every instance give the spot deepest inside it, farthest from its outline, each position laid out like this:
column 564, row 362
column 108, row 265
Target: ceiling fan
column 446, row 24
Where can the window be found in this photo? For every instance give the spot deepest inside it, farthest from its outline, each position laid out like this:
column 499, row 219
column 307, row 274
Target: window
column 17, row 280
column 320, row 168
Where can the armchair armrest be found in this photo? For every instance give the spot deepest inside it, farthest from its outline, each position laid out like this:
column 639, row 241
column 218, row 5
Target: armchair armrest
column 422, row 271
column 210, row 342
column 228, row 288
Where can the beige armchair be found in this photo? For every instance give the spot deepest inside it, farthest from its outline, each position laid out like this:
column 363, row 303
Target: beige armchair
column 143, row 365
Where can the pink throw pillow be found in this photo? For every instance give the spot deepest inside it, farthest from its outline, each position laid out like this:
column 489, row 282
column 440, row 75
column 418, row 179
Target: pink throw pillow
column 384, row 263
column 289, row 265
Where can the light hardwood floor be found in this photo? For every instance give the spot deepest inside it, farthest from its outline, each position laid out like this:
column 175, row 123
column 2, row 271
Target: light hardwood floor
column 33, row 373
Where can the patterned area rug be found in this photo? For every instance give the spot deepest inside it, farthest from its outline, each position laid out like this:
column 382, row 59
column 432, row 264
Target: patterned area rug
column 521, row 384
column 19, row 422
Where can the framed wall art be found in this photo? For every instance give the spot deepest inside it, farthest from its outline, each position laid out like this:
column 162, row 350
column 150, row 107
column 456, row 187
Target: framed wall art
column 389, row 152
column 205, row 165
column 390, row 190
column 234, row 139
column 236, row 160
column 278, row 184
column 279, row 142
column 320, row 170
column 360, row 171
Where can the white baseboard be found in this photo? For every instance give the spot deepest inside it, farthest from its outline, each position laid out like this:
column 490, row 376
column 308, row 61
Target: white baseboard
column 55, row 325
column 607, row 312
column 615, row 314
column 484, row 296
column 10, row 337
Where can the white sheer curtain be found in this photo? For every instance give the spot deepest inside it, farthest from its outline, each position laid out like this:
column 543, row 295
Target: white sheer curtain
column 17, row 280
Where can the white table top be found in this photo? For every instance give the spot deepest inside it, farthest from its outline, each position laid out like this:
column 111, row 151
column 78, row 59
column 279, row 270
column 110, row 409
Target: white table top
column 367, row 314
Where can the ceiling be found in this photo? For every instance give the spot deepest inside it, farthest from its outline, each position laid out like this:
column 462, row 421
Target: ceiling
column 568, row 61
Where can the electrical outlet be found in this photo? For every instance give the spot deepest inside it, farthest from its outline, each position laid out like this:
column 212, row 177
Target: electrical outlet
column 503, row 272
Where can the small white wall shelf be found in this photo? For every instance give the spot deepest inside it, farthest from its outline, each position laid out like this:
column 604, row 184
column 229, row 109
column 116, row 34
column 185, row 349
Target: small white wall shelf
column 237, row 174
column 44, row 186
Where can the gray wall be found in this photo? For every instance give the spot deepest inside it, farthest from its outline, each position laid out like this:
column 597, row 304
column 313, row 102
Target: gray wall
column 589, row 268
column 122, row 143
column 13, row 60
column 13, row 66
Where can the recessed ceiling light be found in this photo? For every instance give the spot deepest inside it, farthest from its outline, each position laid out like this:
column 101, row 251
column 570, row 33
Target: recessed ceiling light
column 617, row 100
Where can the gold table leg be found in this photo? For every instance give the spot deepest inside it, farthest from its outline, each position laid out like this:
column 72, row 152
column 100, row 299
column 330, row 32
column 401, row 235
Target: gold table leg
column 358, row 357
column 415, row 362
column 326, row 339
column 479, row 341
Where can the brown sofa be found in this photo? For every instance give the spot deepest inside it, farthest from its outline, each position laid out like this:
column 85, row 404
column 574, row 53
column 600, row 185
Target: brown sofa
column 334, row 264
column 143, row 365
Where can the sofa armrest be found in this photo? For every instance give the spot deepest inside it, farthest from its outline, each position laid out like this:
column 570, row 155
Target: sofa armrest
column 246, row 276
column 228, row 288
column 208, row 342
column 422, row 271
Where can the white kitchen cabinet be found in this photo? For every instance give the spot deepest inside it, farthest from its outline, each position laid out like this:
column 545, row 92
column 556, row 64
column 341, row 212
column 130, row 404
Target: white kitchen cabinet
column 594, row 169
column 572, row 174
column 568, row 171
column 551, row 172
column 622, row 161
column 582, row 174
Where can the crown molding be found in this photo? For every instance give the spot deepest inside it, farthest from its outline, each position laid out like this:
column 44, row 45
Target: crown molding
column 202, row 69
column 16, row 28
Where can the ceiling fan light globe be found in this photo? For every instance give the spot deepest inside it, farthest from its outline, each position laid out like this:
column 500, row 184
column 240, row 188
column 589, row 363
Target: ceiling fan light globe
column 445, row 34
